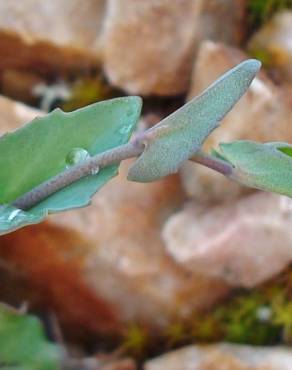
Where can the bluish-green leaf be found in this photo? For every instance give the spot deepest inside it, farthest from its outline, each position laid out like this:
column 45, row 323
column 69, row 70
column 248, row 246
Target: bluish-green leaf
column 262, row 166
column 180, row 135
column 23, row 344
column 43, row 148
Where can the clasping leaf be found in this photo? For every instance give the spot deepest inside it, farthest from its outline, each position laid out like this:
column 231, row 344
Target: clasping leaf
column 262, row 166
column 180, row 135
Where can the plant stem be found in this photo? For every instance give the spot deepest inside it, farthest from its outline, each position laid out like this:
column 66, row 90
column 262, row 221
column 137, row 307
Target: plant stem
column 216, row 164
column 95, row 163
column 77, row 172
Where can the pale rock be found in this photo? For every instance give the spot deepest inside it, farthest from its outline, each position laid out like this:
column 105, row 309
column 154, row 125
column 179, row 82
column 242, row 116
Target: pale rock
column 149, row 45
column 50, row 36
column 224, row 356
column 223, row 20
column 244, row 242
column 127, row 263
column 124, row 364
column 263, row 114
column 19, row 85
column 273, row 43
column 15, row 114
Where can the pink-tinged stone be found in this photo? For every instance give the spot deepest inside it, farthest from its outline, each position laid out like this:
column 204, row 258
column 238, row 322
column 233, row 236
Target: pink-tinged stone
column 223, row 20
column 50, row 37
column 224, row 357
column 244, row 242
column 15, row 114
column 272, row 43
column 149, row 45
column 126, row 262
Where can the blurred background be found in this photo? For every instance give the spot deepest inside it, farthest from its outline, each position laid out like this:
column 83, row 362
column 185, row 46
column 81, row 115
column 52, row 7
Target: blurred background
column 150, row 273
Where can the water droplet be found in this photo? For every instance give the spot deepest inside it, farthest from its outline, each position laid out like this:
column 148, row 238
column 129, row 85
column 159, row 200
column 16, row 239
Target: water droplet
column 95, row 171
column 13, row 214
column 75, row 156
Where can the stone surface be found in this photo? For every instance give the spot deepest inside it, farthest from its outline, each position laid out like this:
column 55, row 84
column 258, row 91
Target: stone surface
column 125, row 364
column 224, row 357
column 272, row 44
column 105, row 265
column 148, row 46
column 128, row 264
column 50, row 37
column 20, row 85
column 223, row 20
column 14, row 114
column 244, row 242
column 264, row 113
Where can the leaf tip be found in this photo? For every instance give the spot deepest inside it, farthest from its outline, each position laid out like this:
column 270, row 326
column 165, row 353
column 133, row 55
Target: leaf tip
column 252, row 65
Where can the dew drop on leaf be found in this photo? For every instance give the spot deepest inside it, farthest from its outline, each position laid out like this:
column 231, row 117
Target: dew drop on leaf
column 13, row 214
column 95, row 171
column 75, row 156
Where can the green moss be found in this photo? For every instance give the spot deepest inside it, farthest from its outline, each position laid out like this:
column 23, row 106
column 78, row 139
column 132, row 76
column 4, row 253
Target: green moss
column 175, row 334
column 88, row 91
column 261, row 316
column 243, row 322
column 263, row 55
column 261, row 10
column 136, row 340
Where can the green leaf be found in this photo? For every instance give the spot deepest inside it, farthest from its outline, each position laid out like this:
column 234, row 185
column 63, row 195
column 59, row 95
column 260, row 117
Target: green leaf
column 262, row 166
column 23, row 344
column 12, row 218
column 39, row 151
column 180, row 135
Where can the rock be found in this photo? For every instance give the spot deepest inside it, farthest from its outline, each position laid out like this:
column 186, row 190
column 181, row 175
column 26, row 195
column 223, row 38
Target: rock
column 20, row 85
column 161, row 38
column 101, row 362
column 263, row 114
column 148, row 47
column 224, row 357
column 14, row 114
column 272, row 44
column 55, row 37
column 124, row 364
column 244, row 243
column 103, row 266
column 223, row 20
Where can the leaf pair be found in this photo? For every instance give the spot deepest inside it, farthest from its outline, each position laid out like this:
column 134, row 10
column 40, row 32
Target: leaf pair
column 43, row 148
